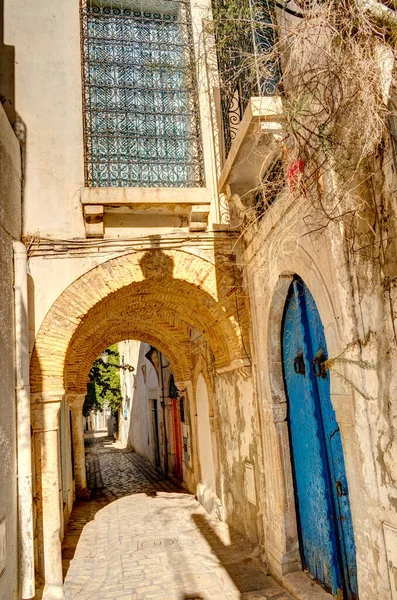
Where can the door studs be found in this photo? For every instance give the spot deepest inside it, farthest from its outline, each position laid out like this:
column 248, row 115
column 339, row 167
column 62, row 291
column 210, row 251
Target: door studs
column 299, row 364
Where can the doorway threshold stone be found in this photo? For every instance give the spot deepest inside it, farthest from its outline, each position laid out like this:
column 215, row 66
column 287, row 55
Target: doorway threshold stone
column 303, row 588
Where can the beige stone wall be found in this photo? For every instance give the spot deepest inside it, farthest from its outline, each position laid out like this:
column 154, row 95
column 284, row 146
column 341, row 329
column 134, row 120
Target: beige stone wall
column 237, row 447
column 10, row 225
column 356, row 318
column 48, row 100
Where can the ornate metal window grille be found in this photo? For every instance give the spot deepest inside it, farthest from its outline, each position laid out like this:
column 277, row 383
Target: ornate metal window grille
column 243, row 31
column 141, row 116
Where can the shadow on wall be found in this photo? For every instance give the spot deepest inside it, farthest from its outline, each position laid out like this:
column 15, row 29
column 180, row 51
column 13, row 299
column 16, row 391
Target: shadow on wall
column 157, row 266
column 7, row 75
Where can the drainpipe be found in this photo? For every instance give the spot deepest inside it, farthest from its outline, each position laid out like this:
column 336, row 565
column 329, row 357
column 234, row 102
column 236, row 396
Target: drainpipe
column 162, row 403
column 25, row 499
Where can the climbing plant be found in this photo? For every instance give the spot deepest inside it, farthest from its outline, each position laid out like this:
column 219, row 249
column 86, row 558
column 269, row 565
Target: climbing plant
column 335, row 66
column 337, row 141
column 103, row 389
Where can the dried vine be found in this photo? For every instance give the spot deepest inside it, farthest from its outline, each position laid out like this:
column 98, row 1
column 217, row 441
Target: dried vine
column 334, row 68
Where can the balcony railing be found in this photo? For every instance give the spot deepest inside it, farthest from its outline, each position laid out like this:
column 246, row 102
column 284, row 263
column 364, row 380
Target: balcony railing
column 245, row 37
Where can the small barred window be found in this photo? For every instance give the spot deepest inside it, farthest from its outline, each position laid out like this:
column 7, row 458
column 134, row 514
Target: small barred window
column 141, row 117
column 273, row 183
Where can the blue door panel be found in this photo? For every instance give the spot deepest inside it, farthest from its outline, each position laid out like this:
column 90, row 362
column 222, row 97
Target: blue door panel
column 333, row 440
column 326, row 533
column 318, row 536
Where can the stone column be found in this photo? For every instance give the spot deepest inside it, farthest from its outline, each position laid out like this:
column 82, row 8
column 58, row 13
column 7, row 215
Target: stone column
column 45, row 424
column 288, row 547
column 76, row 402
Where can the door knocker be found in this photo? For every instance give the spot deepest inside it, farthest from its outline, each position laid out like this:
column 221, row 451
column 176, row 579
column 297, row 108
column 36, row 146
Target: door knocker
column 339, row 489
column 319, row 368
column 299, row 364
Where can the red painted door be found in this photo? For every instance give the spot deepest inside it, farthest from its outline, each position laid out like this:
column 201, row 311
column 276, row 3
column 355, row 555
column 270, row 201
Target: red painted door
column 176, row 418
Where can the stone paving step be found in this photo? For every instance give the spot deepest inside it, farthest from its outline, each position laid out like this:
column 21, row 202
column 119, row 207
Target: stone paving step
column 142, row 537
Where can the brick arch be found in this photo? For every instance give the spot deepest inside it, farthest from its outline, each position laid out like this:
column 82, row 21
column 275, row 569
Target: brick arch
column 156, row 296
column 79, row 362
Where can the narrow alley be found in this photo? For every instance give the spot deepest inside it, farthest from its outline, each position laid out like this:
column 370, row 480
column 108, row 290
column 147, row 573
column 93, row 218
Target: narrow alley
column 140, row 536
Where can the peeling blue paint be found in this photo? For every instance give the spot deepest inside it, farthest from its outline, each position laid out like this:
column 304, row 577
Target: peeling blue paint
column 324, row 517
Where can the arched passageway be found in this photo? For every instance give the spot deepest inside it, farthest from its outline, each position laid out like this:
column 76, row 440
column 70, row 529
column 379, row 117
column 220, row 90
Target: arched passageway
column 156, row 296
column 171, row 300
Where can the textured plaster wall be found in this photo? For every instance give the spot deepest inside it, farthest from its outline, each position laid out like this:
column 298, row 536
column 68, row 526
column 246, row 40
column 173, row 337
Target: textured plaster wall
column 356, row 318
column 237, row 444
column 10, row 202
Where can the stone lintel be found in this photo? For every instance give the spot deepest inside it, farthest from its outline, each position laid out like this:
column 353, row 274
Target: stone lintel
column 96, row 202
column 130, row 196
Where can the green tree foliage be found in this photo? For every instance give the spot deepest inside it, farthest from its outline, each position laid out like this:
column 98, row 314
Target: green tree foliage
column 103, row 389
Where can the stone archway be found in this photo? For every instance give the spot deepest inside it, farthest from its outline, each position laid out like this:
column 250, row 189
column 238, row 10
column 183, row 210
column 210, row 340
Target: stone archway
column 185, row 290
column 157, row 296
column 278, row 503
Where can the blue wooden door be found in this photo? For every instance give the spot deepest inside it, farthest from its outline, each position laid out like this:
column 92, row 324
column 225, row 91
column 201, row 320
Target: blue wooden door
column 323, row 509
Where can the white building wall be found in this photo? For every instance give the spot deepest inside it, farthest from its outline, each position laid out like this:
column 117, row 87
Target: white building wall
column 48, row 99
column 10, row 229
column 138, row 388
column 46, row 36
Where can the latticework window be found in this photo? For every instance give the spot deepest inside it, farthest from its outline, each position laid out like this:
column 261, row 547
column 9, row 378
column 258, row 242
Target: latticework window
column 141, row 117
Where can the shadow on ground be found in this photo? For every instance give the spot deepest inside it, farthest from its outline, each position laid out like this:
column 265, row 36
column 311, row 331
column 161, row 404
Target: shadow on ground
column 144, row 479
column 142, row 536
column 242, row 566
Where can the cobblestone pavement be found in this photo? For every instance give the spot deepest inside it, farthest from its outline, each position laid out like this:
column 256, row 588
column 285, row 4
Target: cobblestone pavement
column 141, row 537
